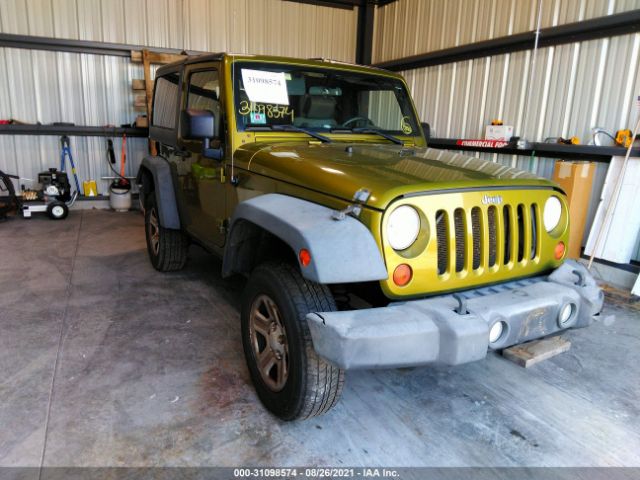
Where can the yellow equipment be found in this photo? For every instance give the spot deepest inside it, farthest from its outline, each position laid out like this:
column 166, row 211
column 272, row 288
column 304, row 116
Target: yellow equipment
column 623, row 138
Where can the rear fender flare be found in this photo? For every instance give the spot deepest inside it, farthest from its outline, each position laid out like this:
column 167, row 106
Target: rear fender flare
column 164, row 190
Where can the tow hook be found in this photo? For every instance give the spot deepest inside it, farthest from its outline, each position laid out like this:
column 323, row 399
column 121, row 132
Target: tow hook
column 354, row 209
column 581, row 278
column 461, row 309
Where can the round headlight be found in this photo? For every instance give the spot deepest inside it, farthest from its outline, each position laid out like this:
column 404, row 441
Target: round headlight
column 403, row 227
column 552, row 213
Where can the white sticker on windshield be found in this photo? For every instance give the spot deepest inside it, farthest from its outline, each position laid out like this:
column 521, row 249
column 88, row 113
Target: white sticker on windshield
column 265, row 87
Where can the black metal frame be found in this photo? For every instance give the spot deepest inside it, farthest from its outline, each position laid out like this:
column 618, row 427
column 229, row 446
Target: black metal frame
column 364, row 42
column 31, row 42
column 343, row 4
column 366, row 17
column 548, row 150
column 73, row 130
column 601, row 27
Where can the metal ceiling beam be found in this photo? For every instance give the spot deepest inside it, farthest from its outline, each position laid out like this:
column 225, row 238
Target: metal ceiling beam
column 9, row 40
column 344, row 4
column 73, row 130
column 601, row 27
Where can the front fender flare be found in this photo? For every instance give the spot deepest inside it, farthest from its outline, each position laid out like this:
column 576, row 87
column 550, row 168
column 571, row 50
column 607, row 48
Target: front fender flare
column 341, row 251
column 165, row 193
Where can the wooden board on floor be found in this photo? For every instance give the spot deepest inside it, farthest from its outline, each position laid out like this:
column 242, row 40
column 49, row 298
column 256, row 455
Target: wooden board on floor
column 621, row 298
column 530, row 353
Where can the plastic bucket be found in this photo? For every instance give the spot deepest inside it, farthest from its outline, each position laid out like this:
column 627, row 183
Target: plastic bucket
column 120, row 197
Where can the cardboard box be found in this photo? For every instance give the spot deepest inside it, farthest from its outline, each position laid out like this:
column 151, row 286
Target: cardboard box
column 142, row 121
column 576, row 179
column 498, row 132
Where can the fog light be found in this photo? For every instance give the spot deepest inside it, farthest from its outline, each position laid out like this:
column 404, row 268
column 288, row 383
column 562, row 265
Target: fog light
column 558, row 252
column 496, row 332
column 566, row 313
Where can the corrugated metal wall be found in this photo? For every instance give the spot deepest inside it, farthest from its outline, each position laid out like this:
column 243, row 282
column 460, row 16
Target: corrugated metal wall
column 37, row 86
column 574, row 87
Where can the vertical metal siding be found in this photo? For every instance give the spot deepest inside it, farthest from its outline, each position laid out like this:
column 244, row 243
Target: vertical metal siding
column 96, row 90
column 573, row 88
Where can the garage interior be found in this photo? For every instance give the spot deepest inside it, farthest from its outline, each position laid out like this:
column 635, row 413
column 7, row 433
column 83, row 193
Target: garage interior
column 108, row 363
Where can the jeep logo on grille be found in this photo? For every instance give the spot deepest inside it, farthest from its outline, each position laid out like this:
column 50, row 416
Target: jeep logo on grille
column 492, row 199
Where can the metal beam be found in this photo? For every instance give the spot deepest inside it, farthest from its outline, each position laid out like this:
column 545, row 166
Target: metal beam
column 9, row 40
column 364, row 44
column 344, row 4
column 73, row 130
column 601, row 27
column 538, row 149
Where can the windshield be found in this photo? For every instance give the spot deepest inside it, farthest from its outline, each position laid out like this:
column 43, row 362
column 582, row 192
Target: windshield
column 320, row 100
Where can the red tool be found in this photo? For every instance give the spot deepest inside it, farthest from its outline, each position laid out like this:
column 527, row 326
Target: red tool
column 123, row 155
column 122, row 182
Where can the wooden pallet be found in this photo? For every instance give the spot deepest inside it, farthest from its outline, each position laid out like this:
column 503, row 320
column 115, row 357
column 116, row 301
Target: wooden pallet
column 621, row 298
column 148, row 58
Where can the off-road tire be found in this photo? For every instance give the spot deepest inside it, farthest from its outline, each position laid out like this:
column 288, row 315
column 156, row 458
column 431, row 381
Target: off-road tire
column 170, row 252
column 313, row 386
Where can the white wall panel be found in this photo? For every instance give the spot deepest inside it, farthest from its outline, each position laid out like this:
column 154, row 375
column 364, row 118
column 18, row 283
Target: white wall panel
column 558, row 91
column 85, row 89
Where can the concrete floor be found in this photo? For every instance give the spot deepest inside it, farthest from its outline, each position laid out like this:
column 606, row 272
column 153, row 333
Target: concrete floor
column 107, row 362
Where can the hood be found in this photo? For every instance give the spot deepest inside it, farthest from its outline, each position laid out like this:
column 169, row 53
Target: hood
column 387, row 171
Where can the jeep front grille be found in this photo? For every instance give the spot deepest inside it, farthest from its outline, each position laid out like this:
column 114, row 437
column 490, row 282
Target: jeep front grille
column 486, row 237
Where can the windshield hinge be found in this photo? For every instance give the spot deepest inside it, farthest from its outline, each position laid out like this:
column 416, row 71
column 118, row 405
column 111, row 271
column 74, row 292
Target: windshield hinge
column 359, row 199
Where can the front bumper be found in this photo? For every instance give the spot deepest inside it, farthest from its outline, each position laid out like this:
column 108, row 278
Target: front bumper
column 431, row 330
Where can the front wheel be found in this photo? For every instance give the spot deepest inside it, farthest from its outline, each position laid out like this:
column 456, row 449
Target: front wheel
column 292, row 381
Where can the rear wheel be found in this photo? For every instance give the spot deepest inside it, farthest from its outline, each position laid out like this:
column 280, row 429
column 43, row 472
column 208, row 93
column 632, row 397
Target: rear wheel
column 292, row 381
column 167, row 248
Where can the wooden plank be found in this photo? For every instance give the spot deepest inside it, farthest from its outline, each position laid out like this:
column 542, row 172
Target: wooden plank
column 148, row 81
column 155, row 57
column 140, row 100
column 137, row 84
column 530, row 353
column 621, row 298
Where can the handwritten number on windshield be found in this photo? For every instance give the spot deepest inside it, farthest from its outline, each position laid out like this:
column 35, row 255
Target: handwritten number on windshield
column 271, row 111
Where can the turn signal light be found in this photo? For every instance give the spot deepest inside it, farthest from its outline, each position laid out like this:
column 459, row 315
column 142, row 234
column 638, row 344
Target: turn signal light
column 558, row 252
column 305, row 257
column 402, row 274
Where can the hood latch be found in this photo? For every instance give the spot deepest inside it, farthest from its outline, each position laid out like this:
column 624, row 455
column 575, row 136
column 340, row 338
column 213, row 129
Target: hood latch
column 359, row 199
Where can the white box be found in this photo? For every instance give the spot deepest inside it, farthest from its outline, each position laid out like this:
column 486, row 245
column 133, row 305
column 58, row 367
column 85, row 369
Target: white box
column 618, row 240
column 498, row 132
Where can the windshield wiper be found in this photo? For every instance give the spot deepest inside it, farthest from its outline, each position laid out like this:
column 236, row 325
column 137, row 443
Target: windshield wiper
column 374, row 131
column 293, row 128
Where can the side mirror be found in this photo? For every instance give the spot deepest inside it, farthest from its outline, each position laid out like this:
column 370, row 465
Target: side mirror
column 426, row 128
column 200, row 125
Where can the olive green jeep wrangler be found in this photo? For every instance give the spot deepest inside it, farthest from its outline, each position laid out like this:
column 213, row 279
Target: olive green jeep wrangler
column 363, row 247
